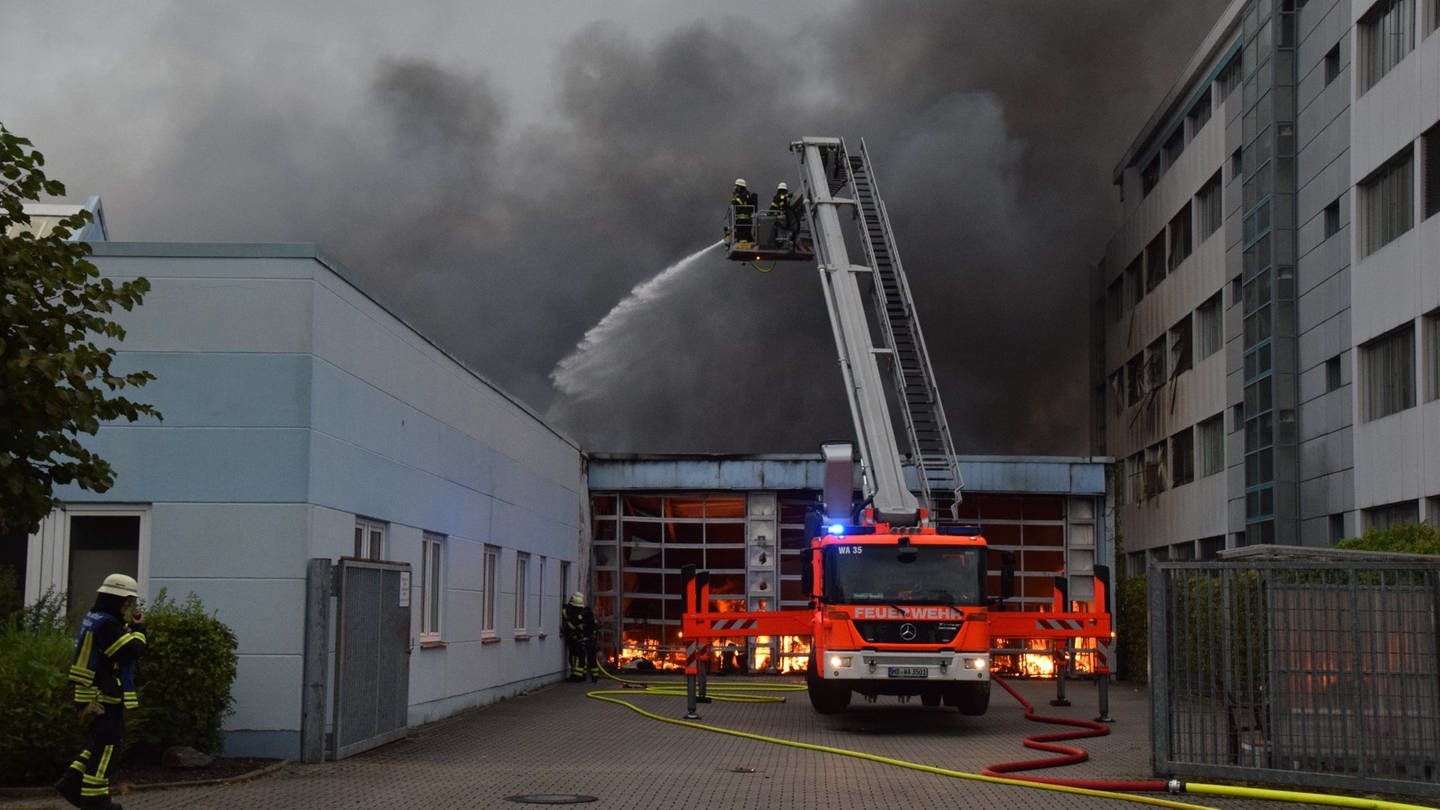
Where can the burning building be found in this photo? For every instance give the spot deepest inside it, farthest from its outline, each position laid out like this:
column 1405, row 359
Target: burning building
column 742, row 519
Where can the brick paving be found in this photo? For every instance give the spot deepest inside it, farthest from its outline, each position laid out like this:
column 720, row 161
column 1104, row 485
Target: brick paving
column 558, row 742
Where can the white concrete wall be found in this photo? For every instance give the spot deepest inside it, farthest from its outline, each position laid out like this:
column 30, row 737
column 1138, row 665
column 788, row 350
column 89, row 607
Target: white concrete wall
column 293, row 403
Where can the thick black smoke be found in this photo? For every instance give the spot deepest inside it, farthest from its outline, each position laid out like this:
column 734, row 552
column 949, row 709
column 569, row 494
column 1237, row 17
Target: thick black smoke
column 993, row 126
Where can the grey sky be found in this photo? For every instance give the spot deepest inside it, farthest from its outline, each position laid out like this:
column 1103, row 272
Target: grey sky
column 504, row 174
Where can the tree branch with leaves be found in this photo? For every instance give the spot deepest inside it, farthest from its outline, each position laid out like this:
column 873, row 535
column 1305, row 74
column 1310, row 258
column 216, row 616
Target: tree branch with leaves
column 55, row 377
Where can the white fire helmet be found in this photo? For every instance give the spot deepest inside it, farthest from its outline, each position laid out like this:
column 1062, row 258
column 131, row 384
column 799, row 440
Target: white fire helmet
column 120, row 585
column 577, row 599
column 740, row 182
column 782, row 186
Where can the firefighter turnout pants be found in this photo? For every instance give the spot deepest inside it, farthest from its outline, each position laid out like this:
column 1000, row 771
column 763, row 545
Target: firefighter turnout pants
column 86, row 782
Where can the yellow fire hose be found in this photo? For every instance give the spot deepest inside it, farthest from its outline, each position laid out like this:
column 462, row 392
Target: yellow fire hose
column 747, row 693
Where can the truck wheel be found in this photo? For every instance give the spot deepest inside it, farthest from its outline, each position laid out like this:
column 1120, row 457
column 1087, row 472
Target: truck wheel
column 825, row 697
column 973, row 698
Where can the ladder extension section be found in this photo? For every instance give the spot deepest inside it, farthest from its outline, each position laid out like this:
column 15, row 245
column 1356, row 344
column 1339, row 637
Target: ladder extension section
column 913, row 379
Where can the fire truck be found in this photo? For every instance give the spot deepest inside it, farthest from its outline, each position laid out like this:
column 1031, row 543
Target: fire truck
column 899, row 601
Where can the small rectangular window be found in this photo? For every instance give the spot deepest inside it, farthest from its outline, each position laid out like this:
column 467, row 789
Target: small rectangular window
column 1430, row 168
column 1209, row 210
column 1386, row 34
column 1174, row 145
column 1157, row 473
column 1135, row 383
column 522, row 577
column 1332, row 374
column 1332, row 64
column 1182, row 353
column 1200, row 112
column 432, row 585
column 1115, row 300
column 1431, row 360
column 1403, row 513
column 1135, row 282
column 1180, row 238
column 1155, row 262
column 1389, row 369
column 1332, row 219
column 1156, row 367
column 489, row 579
column 1387, row 202
column 1150, row 176
column 369, row 539
column 1210, row 445
column 1182, row 452
column 1211, row 326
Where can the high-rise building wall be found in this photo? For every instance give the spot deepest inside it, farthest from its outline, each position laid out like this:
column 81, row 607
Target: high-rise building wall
column 1269, row 362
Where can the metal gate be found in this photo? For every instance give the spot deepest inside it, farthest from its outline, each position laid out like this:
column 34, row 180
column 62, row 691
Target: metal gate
column 1316, row 671
column 372, row 655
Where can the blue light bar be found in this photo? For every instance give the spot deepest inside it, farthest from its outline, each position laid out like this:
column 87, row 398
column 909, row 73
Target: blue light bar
column 836, row 528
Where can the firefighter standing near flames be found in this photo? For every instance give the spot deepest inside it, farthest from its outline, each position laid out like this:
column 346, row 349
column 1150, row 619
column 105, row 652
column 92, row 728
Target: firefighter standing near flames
column 103, row 671
column 577, row 625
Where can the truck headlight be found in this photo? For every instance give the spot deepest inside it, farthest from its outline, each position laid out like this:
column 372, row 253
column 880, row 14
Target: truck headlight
column 840, row 661
column 976, row 663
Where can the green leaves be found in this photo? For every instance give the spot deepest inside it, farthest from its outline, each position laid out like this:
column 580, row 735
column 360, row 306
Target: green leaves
column 55, row 382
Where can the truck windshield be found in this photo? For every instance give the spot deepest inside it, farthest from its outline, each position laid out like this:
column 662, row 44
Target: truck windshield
column 884, row 574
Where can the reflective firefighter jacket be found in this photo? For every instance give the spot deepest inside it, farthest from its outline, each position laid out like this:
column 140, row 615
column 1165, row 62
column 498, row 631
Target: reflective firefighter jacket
column 103, row 669
column 577, row 624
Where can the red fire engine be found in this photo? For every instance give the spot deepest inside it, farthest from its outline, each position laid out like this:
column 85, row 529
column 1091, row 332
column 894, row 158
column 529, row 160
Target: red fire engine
column 898, row 601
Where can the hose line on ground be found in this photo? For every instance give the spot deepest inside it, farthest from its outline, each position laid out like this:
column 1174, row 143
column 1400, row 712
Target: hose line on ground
column 738, row 693
column 1070, row 756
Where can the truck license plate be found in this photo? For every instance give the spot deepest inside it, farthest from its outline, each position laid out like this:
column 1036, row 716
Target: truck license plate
column 909, row 672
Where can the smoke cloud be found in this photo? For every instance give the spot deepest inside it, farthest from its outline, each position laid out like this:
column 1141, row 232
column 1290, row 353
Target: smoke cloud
column 506, row 210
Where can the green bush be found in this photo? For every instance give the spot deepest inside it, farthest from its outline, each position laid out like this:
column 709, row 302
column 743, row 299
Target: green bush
column 38, row 731
column 184, row 678
column 1410, row 538
column 1132, row 633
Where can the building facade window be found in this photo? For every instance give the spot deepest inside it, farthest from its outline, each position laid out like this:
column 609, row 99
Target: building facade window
column 489, row 578
column 1332, row 374
column 1389, row 369
column 1155, row 262
column 1150, row 175
column 1384, row 517
column 1332, row 219
column 1228, row 80
column 1209, row 208
column 1135, row 379
column 1332, row 64
column 1387, row 202
column 1200, row 113
column 1386, row 34
column 432, row 585
column 540, row 592
column 1155, row 366
column 369, row 539
column 1134, row 282
column 1157, row 472
column 1182, row 454
column 1210, row 445
column 522, row 577
column 1431, row 358
column 1174, row 145
column 1134, row 470
column 1210, row 324
column 1115, row 300
column 1182, row 353
column 1430, row 168
column 1180, row 237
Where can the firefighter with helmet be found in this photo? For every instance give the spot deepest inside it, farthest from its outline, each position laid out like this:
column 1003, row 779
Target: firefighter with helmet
column 577, row 625
column 785, row 218
column 742, row 211
column 103, row 672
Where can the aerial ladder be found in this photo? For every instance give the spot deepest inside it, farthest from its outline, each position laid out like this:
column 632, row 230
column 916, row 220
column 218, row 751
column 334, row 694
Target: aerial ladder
column 898, row 600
